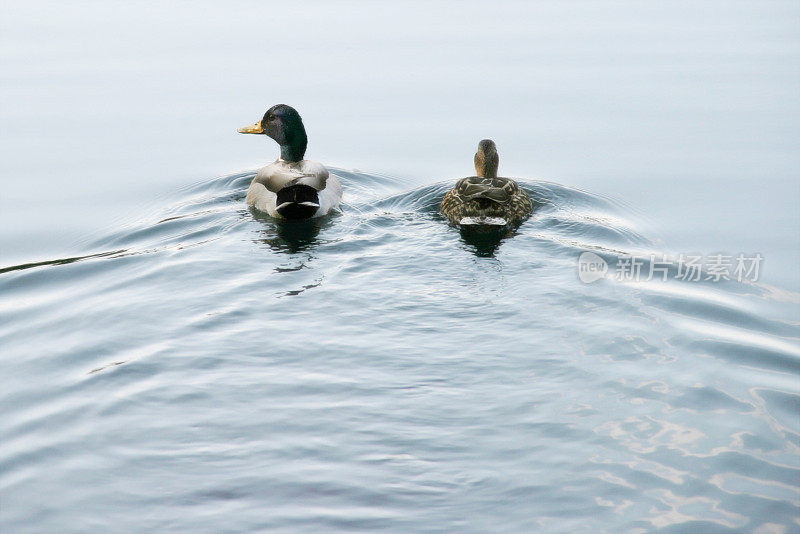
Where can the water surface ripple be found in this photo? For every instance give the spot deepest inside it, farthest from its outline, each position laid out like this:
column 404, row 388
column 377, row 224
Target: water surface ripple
column 210, row 369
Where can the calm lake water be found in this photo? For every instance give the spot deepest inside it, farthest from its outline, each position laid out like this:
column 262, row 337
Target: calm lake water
column 174, row 361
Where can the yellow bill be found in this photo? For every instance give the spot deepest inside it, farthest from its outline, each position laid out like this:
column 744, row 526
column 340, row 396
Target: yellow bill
column 254, row 129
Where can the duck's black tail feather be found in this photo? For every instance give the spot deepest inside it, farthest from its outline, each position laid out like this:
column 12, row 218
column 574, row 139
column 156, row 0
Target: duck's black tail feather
column 298, row 201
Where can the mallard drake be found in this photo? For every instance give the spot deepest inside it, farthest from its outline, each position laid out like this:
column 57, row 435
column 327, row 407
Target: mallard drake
column 291, row 187
column 486, row 199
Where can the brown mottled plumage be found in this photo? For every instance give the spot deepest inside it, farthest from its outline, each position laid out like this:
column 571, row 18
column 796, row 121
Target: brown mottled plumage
column 486, row 198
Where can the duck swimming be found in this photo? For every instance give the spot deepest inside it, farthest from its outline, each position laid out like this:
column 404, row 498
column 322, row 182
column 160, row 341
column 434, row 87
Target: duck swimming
column 291, row 187
column 486, row 199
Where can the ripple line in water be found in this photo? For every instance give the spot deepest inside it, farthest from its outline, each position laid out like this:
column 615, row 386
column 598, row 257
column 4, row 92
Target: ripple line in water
column 60, row 261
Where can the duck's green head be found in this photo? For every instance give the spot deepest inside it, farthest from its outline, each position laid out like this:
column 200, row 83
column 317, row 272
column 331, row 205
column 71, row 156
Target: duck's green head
column 487, row 159
column 284, row 125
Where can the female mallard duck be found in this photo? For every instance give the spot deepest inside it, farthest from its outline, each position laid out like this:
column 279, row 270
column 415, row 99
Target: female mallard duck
column 486, row 199
column 291, row 187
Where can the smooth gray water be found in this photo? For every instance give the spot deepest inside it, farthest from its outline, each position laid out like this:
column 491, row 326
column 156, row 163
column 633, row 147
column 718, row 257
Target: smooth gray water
column 174, row 361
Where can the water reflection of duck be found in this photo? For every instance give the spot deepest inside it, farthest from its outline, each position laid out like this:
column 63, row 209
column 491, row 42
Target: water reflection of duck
column 291, row 187
column 484, row 239
column 291, row 238
column 486, row 199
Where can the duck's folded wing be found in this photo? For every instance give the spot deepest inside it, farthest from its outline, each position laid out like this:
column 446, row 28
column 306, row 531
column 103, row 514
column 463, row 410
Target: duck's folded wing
column 490, row 189
column 276, row 178
column 314, row 174
column 316, row 181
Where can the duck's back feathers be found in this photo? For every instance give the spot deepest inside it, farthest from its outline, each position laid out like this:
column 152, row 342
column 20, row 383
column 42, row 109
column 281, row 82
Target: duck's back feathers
column 480, row 200
column 280, row 174
column 294, row 190
column 499, row 190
